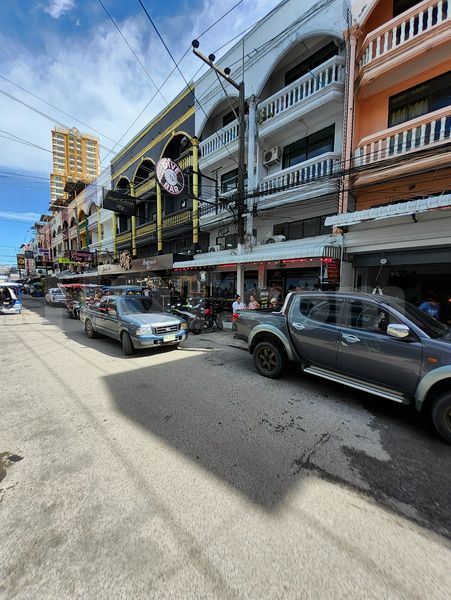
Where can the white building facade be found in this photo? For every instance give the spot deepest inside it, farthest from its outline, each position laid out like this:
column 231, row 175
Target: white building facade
column 293, row 66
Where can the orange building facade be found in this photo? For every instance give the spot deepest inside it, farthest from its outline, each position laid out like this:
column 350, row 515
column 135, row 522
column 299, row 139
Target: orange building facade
column 396, row 201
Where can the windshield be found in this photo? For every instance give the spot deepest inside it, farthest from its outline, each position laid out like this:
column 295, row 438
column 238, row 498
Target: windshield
column 133, row 305
column 429, row 325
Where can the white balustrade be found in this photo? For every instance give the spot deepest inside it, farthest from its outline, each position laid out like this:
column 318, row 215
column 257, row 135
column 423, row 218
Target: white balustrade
column 332, row 71
column 417, row 134
column 418, row 20
column 215, row 142
column 321, row 166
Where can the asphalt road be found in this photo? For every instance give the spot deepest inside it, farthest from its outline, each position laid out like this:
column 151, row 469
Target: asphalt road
column 184, row 474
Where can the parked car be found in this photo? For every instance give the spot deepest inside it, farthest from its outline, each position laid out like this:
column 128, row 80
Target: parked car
column 136, row 321
column 378, row 344
column 55, row 296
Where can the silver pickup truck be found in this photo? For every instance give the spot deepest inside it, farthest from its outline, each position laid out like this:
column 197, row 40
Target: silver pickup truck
column 374, row 343
column 136, row 321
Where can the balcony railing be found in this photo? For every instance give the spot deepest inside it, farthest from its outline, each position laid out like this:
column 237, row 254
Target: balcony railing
column 178, row 218
column 332, row 71
column 418, row 134
column 309, row 170
column 222, row 205
column 411, row 24
column 73, row 231
column 92, row 221
column 220, row 139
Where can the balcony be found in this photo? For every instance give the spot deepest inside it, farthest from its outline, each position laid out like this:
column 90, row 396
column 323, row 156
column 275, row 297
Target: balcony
column 210, row 214
column 92, row 221
column 302, row 96
column 428, row 131
column 214, row 147
column 176, row 219
column 424, row 23
column 73, row 232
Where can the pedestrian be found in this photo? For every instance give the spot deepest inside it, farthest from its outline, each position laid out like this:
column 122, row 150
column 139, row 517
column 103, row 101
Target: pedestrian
column 274, row 304
column 238, row 305
column 430, row 307
column 253, row 304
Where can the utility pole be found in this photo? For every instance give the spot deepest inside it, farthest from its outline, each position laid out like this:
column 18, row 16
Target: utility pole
column 225, row 74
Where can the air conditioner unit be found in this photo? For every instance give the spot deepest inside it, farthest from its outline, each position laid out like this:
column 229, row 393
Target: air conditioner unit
column 274, row 239
column 216, row 248
column 272, row 156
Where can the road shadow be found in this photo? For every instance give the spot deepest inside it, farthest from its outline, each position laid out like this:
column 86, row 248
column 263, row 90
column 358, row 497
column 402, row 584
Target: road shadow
column 259, row 457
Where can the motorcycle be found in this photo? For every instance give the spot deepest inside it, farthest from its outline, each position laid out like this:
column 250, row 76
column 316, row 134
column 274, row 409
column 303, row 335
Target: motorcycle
column 195, row 321
column 209, row 308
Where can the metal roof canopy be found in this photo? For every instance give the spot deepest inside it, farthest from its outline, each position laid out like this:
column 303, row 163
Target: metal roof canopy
column 391, row 210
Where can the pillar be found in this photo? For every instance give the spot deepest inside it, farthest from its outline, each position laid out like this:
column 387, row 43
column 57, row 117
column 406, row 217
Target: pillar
column 113, row 219
column 159, row 221
column 99, row 230
column 133, row 223
column 251, row 162
column 240, row 280
column 195, row 191
column 261, row 276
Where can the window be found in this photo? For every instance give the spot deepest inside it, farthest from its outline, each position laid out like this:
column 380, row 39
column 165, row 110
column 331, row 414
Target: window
column 309, row 147
column 229, row 181
column 311, row 62
column 112, row 310
column 300, row 229
column 368, row 316
column 228, row 118
column 322, row 309
column 400, row 6
column 123, row 224
column 420, row 100
column 142, row 210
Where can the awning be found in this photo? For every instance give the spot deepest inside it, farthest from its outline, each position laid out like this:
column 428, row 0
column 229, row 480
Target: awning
column 391, row 210
column 298, row 249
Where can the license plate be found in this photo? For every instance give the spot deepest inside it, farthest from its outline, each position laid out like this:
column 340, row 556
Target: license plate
column 169, row 338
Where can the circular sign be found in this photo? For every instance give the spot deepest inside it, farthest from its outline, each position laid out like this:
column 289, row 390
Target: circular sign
column 170, row 177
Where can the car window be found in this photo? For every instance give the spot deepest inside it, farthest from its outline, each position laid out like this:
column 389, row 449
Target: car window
column 322, row 309
column 103, row 304
column 368, row 316
column 112, row 310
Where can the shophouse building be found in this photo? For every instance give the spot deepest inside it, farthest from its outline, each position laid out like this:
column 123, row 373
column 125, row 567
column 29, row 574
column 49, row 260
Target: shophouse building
column 396, row 215
column 293, row 65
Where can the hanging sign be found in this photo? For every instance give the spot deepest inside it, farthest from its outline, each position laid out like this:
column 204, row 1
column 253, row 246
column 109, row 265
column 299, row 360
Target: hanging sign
column 120, row 203
column 20, row 261
column 170, row 176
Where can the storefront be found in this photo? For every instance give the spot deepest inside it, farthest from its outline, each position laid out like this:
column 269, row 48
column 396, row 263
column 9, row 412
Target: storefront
column 276, row 268
column 402, row 250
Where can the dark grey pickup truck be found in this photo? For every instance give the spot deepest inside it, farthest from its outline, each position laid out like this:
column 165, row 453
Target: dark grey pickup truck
column 373, row 343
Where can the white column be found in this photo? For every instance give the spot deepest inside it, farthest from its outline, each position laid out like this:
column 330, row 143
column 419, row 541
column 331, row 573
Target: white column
column 251, row 161
column 261, row 276
column 240, row 280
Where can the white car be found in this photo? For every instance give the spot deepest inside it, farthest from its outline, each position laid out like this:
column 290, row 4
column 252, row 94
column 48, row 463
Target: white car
column 55, row 296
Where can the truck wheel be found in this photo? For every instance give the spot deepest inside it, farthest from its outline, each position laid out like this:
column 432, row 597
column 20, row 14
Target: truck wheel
column 90, row 331
column 441, row 416
column 127, row 344
column 269, row 360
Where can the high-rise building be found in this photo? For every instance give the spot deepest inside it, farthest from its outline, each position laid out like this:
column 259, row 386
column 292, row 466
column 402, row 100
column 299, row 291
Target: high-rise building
column 75, row 158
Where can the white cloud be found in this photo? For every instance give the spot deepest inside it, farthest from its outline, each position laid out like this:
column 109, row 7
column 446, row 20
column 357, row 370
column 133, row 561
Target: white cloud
column 56, row 8
column 27, row 217
column 97, row 79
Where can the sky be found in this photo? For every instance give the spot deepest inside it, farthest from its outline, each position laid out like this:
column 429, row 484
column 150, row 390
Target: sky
column 69, row 54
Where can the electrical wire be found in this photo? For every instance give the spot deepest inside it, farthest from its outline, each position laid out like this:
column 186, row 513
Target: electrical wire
column 56, row 108
column 183, row 77
column 132, row 51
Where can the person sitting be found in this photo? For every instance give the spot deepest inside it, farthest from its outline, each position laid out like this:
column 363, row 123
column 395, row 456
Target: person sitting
column 253, row 304
column 238, row 305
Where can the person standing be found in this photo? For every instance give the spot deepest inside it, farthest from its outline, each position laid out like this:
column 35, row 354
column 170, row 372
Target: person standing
column 238, row 305
column 430, row 307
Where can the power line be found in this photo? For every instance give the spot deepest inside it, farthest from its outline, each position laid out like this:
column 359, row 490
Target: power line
column 131, row 50
column 53, row 120
column 56, row 108
column 174, row 69
column 183, row 76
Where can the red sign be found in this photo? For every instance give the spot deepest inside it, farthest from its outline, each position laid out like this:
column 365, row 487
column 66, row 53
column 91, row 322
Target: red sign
column 81, row 256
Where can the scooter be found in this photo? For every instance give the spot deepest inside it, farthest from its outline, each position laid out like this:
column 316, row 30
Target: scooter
column 196, row 322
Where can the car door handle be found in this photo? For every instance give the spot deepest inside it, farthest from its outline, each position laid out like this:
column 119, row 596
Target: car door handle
column 352, row 339
column 299, row 326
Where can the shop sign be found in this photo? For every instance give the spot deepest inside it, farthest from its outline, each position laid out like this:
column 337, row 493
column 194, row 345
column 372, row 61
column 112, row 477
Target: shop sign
column 223, row 231
column 81, row 256
column 161, row 262
column 21, row 261
column 42, row 262
column 43, row 252
column 264, row 297
column 170, row 176
column 120, row 203
column 202, row 276
column 62, row 260
column 125, row 260
column 29, row 254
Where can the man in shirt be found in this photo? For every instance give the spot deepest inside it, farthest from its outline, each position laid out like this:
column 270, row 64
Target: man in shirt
column 238, row 305
column 430, row 307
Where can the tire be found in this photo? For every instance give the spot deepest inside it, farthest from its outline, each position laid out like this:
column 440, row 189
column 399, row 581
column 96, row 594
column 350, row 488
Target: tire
column 269, row 359
column 196, row 331
column 90, row 331
column 441, row 416
column 219, row 323
column 127, row 344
